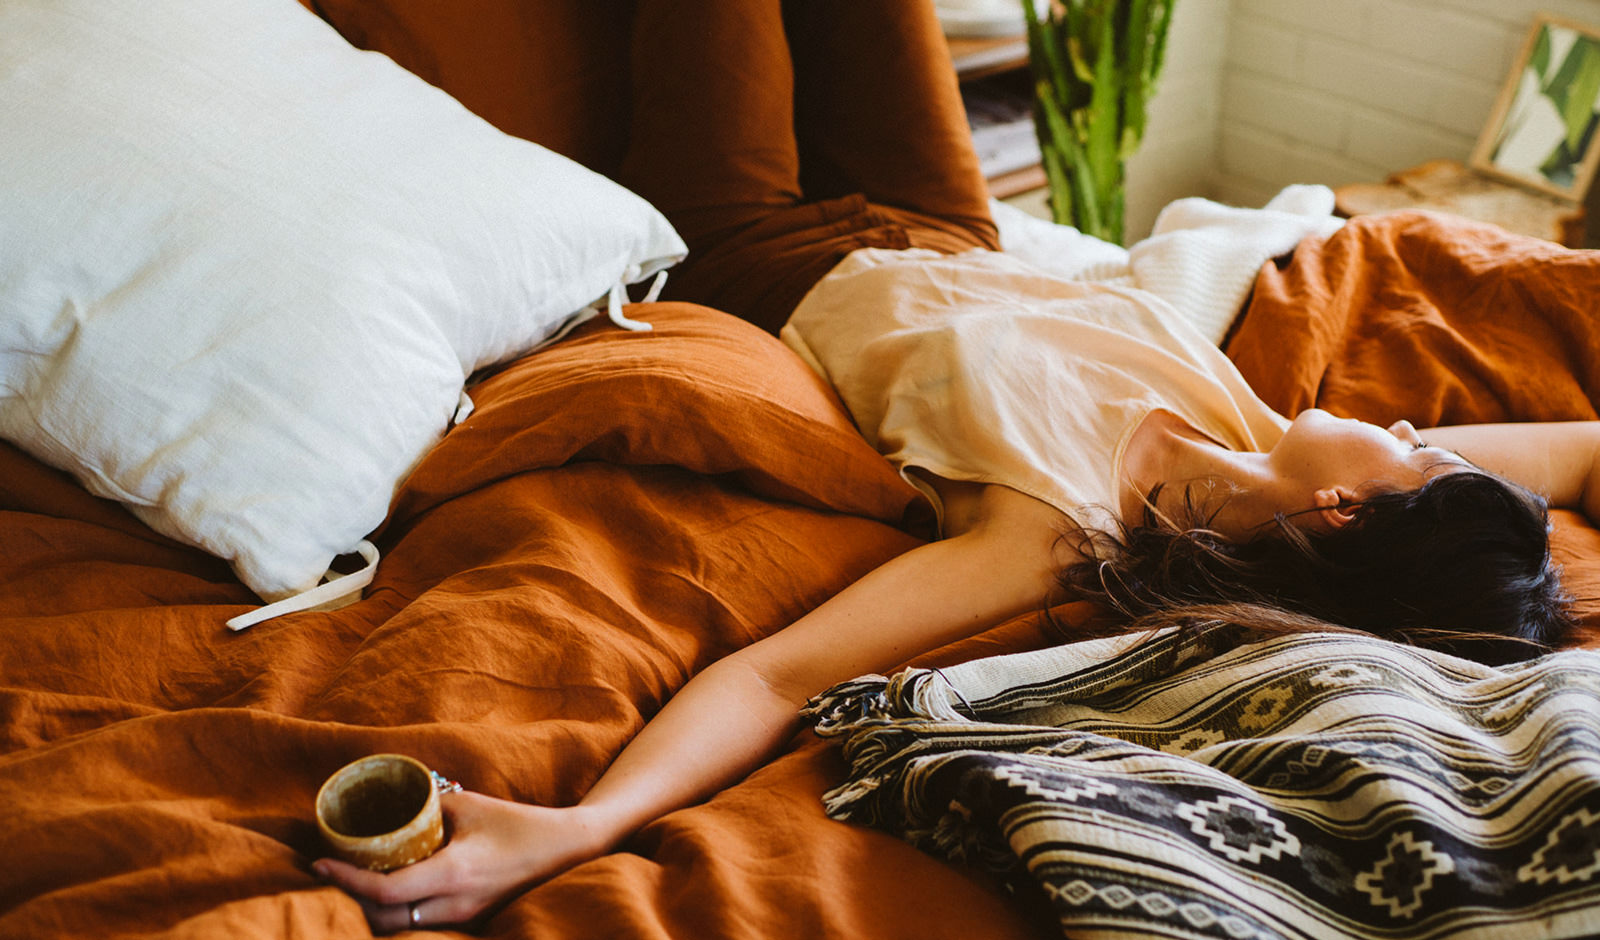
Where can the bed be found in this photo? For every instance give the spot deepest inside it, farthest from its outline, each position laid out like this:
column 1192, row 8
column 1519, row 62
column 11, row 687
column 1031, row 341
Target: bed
column 614, row 512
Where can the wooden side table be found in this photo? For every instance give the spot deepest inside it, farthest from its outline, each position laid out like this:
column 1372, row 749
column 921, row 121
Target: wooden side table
column 1447, row 186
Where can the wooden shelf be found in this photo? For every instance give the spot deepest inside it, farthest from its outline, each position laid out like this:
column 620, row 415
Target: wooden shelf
column 1018, row 181
column 975, row 58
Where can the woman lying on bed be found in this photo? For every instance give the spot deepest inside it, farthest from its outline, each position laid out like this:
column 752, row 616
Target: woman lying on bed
column 1076, row 441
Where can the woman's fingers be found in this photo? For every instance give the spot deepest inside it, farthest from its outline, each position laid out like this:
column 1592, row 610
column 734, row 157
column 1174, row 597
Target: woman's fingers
column 387, row 902
column 427, row 914
column 412, row 883
column 497, row 849
column 389, row 918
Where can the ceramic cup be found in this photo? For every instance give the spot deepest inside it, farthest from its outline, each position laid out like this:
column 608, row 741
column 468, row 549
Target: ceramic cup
column 381, row 812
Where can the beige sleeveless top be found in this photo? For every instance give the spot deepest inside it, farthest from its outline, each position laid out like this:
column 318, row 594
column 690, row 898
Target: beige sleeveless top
column 977, row 367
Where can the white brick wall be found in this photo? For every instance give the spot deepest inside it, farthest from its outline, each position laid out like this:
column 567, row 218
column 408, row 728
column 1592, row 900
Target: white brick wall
column 1259, row 94
column 1339, row 91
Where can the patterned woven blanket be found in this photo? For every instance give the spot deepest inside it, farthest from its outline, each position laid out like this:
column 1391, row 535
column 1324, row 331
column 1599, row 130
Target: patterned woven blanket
column 1319, row 786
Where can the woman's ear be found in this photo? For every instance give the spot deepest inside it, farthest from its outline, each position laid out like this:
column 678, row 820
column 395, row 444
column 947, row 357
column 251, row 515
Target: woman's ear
column 1330, row 503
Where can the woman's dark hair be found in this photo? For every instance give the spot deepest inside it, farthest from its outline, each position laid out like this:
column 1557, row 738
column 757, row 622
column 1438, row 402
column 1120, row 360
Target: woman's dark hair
column 1461, row 564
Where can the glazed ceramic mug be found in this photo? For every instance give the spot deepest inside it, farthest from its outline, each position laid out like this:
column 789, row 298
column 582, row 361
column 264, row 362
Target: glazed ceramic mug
column 381, row 812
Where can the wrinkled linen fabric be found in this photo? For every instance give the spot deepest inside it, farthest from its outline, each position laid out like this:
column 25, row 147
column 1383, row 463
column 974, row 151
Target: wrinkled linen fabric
column 619, row 511
column 1428, row 317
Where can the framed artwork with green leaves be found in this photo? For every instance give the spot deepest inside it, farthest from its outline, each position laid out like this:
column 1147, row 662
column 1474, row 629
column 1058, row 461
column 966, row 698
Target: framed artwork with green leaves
column 1542, row 133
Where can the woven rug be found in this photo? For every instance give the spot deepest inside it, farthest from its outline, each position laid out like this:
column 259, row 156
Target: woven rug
column 1318, row 786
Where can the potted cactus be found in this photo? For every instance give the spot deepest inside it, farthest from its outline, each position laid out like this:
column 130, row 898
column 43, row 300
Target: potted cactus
column 1094, row 65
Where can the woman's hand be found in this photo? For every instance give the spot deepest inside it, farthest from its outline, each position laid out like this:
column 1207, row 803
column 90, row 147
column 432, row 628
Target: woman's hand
column 497, row 849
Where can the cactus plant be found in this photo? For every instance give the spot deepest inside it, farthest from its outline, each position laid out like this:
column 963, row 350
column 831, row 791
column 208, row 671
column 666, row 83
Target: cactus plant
column 1094, row 65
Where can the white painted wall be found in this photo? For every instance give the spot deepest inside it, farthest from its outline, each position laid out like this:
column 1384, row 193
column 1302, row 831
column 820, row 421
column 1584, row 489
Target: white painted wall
column 1259, row 94
column 1179, row 154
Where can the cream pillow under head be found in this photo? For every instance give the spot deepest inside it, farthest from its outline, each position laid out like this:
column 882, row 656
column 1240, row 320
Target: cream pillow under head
column 246, row 268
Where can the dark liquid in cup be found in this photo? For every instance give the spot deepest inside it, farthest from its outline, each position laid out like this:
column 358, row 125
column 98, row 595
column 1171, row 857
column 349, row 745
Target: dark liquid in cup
column 377, row 805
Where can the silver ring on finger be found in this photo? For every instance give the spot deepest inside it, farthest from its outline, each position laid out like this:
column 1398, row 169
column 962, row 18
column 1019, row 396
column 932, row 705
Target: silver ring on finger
column 415, row 914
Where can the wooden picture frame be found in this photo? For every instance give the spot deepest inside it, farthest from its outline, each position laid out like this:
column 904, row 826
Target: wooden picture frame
column 1544, row 132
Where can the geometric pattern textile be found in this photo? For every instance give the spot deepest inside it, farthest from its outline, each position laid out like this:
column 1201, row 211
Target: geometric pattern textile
column 1311, row 786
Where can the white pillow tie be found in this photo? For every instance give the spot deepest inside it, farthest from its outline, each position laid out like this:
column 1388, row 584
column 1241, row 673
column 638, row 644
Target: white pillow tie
column 336, row 589
column 614, row 300
column 651, row 295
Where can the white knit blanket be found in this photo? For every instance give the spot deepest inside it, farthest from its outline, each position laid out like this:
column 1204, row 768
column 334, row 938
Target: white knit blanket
column 1202, row 257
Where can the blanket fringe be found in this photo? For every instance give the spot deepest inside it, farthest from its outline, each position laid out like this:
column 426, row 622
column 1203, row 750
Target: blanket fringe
column 849, row 705
column 840, row 802
column 873, row 700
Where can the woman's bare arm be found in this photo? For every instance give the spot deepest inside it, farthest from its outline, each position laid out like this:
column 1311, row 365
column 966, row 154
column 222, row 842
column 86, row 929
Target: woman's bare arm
column 733, row 715
column 1560, row 460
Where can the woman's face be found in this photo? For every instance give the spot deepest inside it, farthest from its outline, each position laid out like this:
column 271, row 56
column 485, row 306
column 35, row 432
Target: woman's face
column 1324, row 462
column 1322, row 450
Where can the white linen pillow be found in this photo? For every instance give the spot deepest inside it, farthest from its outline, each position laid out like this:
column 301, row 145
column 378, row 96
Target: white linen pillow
column 246, row 268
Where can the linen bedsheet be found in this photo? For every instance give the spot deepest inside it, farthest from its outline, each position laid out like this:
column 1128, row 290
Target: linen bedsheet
column 619, row 510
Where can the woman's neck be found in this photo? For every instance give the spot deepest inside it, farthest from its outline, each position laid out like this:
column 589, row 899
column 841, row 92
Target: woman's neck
column 1166, row 449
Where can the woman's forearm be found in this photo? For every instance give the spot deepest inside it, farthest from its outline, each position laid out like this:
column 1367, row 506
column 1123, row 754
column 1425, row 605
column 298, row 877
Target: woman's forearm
column 719, row 726
column 1559, row 459
column 739, row 711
